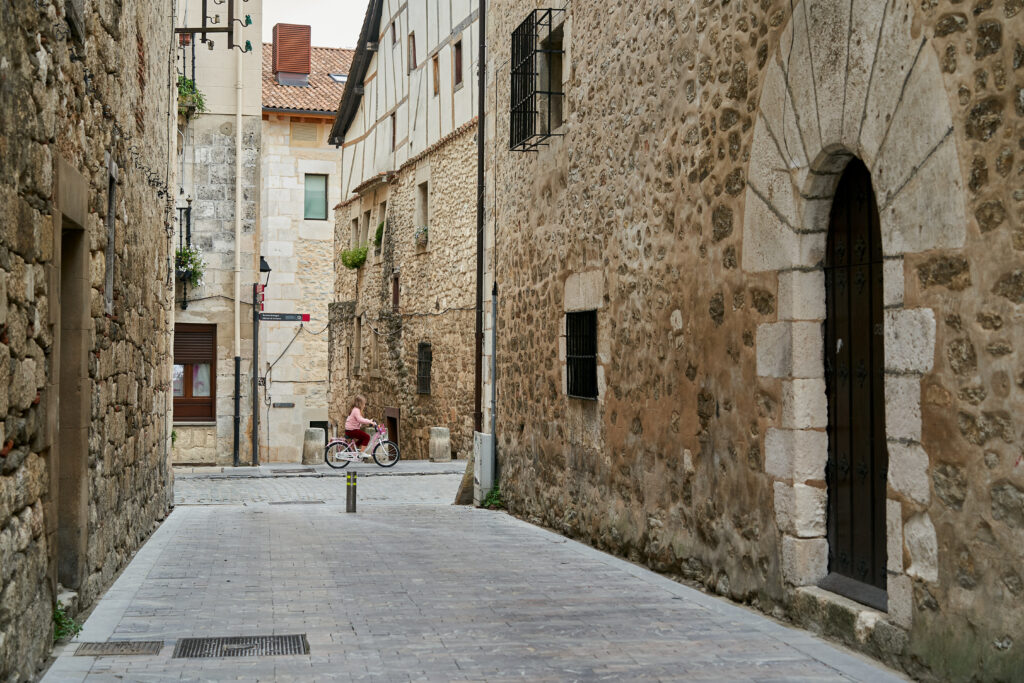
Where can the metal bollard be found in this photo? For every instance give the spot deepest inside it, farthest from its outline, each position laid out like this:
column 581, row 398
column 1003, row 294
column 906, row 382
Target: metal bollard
column 350, row 492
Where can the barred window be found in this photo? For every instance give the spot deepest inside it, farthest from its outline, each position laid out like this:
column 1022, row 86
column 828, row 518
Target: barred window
column 424, row 358
column 581, row 353
column 536, row 71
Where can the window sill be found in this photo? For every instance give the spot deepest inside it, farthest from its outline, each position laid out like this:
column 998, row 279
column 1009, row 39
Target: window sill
column 195, row 423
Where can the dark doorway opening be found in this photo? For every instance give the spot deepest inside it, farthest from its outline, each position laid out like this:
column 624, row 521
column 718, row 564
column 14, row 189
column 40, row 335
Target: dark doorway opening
column 73, row 391
column 391, row 415
column 854, row 374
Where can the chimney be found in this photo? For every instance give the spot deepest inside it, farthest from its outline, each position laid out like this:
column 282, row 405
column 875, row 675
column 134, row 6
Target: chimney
column 291, row 56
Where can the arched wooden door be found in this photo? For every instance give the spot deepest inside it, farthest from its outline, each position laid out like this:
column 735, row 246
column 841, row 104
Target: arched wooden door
column 854, row 374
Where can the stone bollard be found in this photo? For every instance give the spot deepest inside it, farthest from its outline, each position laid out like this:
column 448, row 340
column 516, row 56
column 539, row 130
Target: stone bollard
column 440, row 444
column 313, row 446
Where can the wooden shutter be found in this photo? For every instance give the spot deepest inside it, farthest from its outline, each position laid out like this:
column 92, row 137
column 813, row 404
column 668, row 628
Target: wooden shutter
column 194, row 343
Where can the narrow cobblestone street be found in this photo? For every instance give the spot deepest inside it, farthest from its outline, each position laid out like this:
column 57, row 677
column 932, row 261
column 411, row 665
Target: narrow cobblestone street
column 413, row 588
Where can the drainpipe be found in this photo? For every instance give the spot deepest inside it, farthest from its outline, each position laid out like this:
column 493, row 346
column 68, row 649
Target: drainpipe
column 238, row 249
column 478, row 365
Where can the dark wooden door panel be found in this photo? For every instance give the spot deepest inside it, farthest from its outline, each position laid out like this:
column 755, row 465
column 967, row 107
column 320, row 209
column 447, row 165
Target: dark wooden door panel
column 854, row 368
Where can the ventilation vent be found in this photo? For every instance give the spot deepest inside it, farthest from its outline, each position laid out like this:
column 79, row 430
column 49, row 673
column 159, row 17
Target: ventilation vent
column 120, row 647
column 242, row 646
column 303, row 132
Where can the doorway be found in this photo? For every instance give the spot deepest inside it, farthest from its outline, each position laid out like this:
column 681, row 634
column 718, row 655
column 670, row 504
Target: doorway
column 392, row 417
column 73, row 392
column 854, row 373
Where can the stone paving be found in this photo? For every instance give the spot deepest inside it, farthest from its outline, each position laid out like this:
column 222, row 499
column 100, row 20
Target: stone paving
column 414, row 482
column 405, row 591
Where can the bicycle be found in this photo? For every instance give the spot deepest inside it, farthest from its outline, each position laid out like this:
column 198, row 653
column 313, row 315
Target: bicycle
column 341, row 451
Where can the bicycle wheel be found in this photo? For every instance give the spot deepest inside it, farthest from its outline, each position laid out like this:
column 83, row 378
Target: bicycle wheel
column 333, row 453
column 386, row 453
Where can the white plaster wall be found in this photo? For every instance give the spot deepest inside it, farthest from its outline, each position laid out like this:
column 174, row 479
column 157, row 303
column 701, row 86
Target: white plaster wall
column 216, row 69
column 421, row 118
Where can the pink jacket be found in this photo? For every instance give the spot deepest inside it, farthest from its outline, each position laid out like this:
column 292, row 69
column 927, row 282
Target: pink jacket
column 355, row 419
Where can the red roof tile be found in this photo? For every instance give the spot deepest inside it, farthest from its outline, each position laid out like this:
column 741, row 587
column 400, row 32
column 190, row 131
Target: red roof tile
column 321, row 95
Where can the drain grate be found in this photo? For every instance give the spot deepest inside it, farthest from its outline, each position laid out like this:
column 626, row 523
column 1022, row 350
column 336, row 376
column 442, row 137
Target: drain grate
column 120, row 647
column 297, row 502
column 304, row 470
column 242, row 646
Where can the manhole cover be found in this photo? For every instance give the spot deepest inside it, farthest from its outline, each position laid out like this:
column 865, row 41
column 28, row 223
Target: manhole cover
column 120, row 647
column 242, row 646
column 297, row 502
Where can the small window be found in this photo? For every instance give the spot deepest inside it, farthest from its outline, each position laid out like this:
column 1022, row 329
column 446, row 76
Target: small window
column 395, row 290
column 316, row 197
column 109, row 254
column 437, row 74
column 581, row 353
column 424, row 358
column 412, row 51
column 458, row 62
column 357, row 347
column 394, row 33
column 195, row 372
column 354, row 242
column 394, row 133
column 339, row 78
column 364, row 236
column 422, row 215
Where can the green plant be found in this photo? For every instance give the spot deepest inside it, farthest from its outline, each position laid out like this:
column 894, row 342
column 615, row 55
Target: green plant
column 354, row 258
column 189, row 98
column 493, row 500
column 174, row 437
column 189, row 264
column 63, row 625
column 378, row 237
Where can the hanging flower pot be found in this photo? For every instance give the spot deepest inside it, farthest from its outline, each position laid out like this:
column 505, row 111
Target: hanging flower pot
column 421, row 236
column 189, row 265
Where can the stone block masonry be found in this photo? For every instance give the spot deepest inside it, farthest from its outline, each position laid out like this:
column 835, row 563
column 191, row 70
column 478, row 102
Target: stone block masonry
column 375, row 347
column 85, row 304
column 694, row 178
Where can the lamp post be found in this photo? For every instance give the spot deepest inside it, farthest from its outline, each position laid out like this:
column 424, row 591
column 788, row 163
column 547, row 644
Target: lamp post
column 257, row 304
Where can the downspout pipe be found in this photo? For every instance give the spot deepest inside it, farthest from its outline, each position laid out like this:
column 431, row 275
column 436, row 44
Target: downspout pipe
column 238, row 252
column 480, row 251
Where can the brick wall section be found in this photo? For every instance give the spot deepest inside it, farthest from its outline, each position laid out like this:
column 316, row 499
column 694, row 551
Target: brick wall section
column 436, row 301
column 51, row 114
column 648, row 190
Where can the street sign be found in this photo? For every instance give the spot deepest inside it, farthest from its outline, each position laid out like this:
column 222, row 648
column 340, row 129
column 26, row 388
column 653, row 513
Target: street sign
column 286, row 317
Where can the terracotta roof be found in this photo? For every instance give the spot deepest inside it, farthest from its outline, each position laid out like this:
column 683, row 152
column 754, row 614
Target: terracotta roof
column 321, row 95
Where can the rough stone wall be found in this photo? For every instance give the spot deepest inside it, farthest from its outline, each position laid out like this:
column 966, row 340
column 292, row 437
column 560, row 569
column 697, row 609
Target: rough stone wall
column 65, row 103
column 436, row 301
column 648, row 191
column 301, row 254
column 208, row 155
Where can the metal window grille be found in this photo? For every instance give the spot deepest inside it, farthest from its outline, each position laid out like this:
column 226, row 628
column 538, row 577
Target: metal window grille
column 532, row 103
column 581, row 353
column 424, row 359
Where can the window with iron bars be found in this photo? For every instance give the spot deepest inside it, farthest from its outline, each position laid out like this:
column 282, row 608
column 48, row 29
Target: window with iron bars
column 581, row 353
column 424, row 358
column 536, row 96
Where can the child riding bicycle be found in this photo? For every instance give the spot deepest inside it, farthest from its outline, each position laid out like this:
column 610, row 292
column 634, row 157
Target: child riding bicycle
column 355, row 421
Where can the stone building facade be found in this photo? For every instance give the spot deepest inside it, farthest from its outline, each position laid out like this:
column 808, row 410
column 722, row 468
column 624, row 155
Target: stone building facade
column 85, row 305
column 297, row 240
column 401, row 329
column 216, row 148
column 688, row 196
